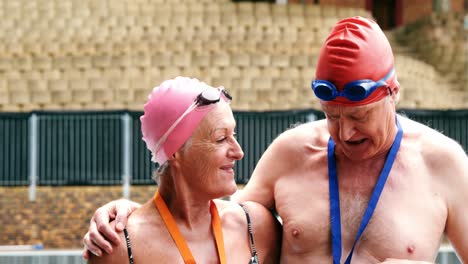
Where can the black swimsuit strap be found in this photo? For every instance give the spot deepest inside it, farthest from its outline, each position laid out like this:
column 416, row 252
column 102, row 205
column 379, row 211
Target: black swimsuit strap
column 129, row 247
column 254, row 258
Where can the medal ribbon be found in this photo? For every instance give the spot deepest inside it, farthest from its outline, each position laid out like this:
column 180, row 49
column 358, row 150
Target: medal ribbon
column 179, row 238
column 335, row 218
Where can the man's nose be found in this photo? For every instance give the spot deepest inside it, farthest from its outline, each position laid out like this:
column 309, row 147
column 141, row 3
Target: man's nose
column 347, row 129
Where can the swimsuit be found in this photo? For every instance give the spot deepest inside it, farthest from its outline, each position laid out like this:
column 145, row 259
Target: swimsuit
column 253, row 259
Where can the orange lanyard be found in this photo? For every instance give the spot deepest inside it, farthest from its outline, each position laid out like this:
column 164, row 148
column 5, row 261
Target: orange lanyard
column 179, row 238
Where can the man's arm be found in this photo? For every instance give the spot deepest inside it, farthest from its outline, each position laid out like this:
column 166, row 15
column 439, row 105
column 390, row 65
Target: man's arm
column 286, row 155
column 269, row 168
column 457, row 193
column 101, row 235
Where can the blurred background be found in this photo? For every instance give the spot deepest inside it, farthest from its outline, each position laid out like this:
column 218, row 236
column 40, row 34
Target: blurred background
column 74, row 75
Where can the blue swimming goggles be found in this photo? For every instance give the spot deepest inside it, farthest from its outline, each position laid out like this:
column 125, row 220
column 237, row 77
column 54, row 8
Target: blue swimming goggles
column 354, row 91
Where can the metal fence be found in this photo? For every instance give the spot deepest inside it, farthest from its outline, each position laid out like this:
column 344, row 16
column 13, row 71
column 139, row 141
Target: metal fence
column 13, row 149
column 105, row 148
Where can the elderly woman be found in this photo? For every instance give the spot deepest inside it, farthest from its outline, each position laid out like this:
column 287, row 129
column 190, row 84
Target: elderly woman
column 190, row 130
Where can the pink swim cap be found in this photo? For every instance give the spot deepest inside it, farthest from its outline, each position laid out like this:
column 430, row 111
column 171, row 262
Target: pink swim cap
column 166, row 103
column 356, row 49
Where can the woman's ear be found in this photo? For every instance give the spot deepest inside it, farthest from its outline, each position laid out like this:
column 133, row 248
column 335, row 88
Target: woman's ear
column 173, row 157
column 176, row 157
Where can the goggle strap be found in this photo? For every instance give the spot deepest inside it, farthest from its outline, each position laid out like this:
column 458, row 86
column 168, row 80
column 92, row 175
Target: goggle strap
column 190, row 109
column 390, row 73
column 164, row 137
column 224, row 93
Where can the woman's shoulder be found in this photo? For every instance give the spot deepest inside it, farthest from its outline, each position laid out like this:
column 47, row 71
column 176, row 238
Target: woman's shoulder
column 233, row 216
column 132, row 237
column 237, row 211
column 119, row 252
column 231, row 213
column 238, row 214
column 265, row 228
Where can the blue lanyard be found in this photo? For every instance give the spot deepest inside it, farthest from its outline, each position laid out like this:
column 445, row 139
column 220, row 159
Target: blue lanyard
column 335, row 196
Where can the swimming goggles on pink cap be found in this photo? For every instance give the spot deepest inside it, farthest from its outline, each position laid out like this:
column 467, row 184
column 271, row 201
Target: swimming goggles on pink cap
column 354, row 91
column 207, row 97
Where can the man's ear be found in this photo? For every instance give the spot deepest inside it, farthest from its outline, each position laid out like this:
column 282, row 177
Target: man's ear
column 395, row 93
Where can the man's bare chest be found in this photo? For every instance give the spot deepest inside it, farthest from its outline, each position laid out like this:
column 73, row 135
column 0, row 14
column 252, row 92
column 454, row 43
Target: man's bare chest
column 408, row 221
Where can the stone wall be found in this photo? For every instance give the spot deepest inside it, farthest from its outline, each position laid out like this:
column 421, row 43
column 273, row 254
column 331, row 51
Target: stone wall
column 59, row 216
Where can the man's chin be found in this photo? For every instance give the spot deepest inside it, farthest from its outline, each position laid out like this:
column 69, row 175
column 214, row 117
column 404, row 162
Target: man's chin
column 357, row 152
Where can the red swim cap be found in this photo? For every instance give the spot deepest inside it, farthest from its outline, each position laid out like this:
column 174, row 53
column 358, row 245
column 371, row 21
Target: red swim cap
column 356, row 49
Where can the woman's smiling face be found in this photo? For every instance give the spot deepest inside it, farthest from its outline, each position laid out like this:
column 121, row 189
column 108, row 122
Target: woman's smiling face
column 213, row 152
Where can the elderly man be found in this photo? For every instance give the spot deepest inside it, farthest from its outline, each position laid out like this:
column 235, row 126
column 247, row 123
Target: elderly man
column 365, row 184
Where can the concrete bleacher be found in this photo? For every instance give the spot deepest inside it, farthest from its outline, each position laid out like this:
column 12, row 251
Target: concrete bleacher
column 103, row 55
column 442, row 41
